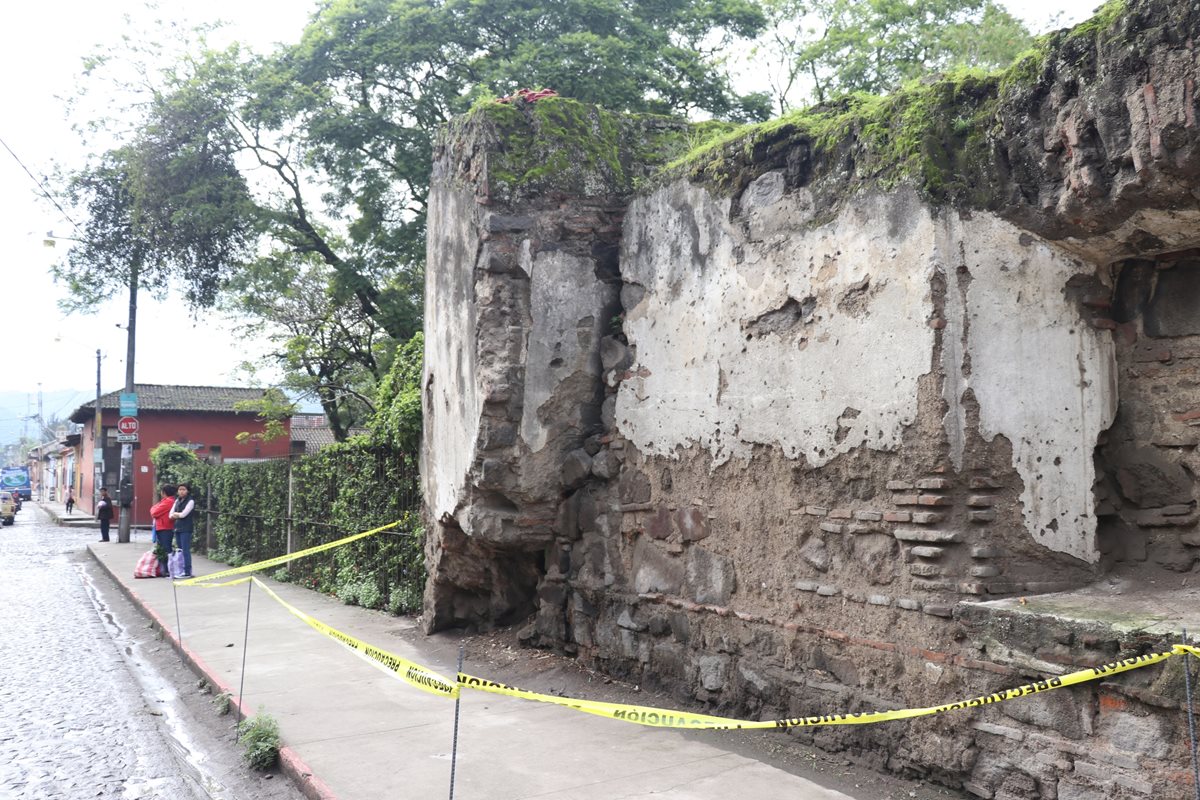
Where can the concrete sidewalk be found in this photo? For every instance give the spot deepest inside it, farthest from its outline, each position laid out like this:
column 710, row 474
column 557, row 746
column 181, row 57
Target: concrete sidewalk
column 352, row 731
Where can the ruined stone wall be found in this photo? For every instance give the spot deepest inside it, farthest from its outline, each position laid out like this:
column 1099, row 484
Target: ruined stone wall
column 779, row 436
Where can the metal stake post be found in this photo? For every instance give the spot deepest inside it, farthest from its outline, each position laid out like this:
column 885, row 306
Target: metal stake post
column 1187, row 687
column 245, row 639
column 178, row 627
column 454, row 746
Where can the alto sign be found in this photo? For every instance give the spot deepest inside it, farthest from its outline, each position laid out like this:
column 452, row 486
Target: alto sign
column 127, row 429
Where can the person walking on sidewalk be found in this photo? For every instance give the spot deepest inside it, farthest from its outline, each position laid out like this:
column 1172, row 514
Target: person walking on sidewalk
column 104, row 513
column 164, row 526
column 181, row 513
column 70, row 500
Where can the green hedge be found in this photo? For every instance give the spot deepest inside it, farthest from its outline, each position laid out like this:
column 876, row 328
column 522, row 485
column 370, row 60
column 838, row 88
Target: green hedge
column 343, row 489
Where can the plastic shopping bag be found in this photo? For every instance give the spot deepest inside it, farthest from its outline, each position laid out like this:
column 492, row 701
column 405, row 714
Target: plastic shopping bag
column 147, row 566
column 175, row 564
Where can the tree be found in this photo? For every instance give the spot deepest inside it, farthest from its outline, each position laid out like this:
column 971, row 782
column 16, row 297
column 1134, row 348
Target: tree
column 166, row 207
column 835, row 47
column 397, row 418
column 171, row 460
column 327, row 347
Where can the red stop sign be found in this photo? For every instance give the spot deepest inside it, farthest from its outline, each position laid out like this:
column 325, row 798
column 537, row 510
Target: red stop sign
column 127, row 425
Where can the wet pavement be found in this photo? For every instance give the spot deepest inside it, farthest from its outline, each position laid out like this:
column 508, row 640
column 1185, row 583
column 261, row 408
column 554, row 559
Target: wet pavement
column 90, row 706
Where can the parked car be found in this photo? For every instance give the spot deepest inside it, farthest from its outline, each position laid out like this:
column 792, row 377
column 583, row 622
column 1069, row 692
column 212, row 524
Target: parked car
column 8, row 509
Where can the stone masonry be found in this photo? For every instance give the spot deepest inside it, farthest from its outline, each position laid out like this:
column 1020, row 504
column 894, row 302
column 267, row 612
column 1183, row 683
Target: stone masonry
column 783, row 437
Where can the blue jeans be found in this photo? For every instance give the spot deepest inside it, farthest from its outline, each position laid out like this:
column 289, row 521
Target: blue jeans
column 184, row 539
column 163, row 538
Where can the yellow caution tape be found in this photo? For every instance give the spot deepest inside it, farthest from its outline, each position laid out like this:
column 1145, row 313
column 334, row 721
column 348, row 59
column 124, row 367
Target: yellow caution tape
column 400, row 667
column 668, row 718
column 274, row 562
column 430, row 681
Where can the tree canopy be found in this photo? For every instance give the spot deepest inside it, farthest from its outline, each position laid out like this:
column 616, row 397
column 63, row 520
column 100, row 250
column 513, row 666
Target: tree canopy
column 293, row 185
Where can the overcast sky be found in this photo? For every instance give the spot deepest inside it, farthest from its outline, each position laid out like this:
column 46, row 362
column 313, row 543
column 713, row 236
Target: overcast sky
column 40, row 55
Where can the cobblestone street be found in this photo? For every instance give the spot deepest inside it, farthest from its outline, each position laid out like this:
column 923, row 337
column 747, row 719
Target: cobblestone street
column 91, row 700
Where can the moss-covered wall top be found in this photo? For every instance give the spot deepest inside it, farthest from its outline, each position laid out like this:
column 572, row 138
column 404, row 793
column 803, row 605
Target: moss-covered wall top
column 1091, row 126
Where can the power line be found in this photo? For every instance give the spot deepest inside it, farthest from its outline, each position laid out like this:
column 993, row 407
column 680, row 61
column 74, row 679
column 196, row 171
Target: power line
column 45, row 192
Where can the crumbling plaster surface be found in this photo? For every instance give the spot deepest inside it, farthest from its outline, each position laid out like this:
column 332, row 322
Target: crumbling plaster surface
column 813, row 339
column 566, row 303
column 452, row 400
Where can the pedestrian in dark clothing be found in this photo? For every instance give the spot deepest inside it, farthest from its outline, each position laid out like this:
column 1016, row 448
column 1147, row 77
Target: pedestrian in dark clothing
column 181, row 513
column 70, row 500
column 104, row 513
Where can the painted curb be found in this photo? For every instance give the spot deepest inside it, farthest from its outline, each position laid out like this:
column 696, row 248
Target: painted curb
column 290, row 762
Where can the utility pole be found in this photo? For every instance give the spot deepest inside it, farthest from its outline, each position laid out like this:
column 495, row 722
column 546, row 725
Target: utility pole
column 126, row 490
column 97, row 442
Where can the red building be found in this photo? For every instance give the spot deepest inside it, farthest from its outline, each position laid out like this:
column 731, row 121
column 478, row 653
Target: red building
column 202, row 417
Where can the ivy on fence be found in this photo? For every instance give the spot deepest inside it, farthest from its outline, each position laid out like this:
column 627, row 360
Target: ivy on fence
column 343, row 489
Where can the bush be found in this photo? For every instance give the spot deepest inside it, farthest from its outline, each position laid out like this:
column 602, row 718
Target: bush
column 260, row 737
column 404, row 600
column 282, row 575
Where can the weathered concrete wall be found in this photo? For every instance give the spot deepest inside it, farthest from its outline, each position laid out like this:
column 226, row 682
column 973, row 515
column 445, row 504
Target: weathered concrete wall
column 814, row 340
column 774, row 431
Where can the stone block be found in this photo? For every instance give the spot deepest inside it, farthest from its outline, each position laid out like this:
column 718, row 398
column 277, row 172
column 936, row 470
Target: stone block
column 692, row 523
column 501, row 223
column 1134, row 733
column 828, row 590
column 816, row 511
column 816, row 553
column 605, row 465
column 710, row 578
column 626, row 620
column 859, row 528
column 984, row 571
column 925, row 570
column 840, row 513
column 981, row 516
column 938, row 609
column 899, row 486
column 660, row 525
column 908, row 604
column 655, row 570
column 631, row 295
column 981, row 501
column 897, row 516
column 936, row 500
column 806, row 586
column 713, row 671
column 576, row 468
column 927, row 535
column 983, row 482
column 926, row 517
column 1061, row 712
column 831, row 527
column 613, row 353
column 933, row 483
column 905, row 499
column 634, row 487
column 879, row 600
column 1069, row 789
column 868, row 516
column 1015, row 734
column 608, row 413
column 984, row 551
column 754, row 681
column 927, row 551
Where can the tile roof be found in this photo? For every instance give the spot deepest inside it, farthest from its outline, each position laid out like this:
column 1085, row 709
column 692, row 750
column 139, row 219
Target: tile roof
column 316, row 437
column 157, row 397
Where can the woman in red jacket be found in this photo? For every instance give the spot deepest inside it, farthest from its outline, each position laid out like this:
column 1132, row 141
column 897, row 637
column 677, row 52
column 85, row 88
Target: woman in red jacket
column 164, row 526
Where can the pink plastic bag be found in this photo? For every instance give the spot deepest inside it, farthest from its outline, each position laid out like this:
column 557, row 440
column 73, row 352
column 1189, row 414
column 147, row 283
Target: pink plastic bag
column 147, row 566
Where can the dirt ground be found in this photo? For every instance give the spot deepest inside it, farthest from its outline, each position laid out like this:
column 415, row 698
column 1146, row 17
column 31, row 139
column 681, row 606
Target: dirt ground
column 499, row 656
